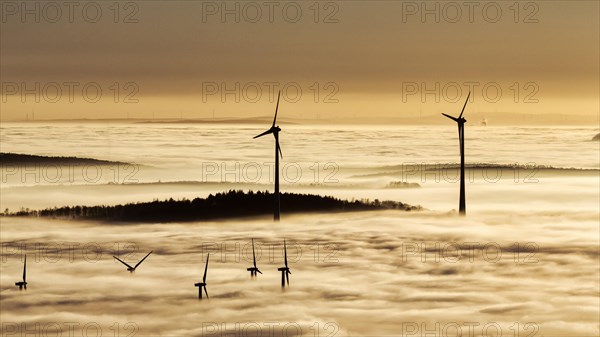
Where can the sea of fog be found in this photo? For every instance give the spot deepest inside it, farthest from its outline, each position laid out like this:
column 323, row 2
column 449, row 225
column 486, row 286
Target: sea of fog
column 523, row 262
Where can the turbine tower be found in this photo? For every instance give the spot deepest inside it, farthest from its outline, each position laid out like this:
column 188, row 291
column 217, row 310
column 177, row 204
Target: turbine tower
column 253, row 270
column 203, row 283
column 285, row 271
column 23, row 284
column 275, row 131
column 462, row 207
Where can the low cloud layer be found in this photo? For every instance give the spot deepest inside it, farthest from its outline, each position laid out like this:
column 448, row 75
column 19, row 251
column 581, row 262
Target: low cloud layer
column 377, row 274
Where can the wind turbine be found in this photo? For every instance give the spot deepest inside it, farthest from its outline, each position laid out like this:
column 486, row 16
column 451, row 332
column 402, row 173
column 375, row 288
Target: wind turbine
column 253, row 270
column 203, row 283
column 275, row 131
column 285, row 271
column 461, row 140
column 23, row 284
column 130, row 268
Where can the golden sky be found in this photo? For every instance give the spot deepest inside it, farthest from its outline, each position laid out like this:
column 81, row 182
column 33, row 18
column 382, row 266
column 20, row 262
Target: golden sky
column 350, row 59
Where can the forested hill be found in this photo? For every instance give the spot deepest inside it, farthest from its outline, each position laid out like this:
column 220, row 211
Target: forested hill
column 28, row 159
column 232, row 204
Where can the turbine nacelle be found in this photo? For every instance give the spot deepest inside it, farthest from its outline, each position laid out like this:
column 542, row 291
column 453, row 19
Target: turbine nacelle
column 460, row 119
column 21, row 285
column 253, row 269
column 274, row 130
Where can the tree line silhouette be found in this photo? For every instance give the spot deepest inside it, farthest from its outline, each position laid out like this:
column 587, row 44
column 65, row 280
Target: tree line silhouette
column 231, row 204
column 8, row 158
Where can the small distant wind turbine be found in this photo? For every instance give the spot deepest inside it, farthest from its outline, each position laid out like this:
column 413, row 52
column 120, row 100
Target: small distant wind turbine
column 23, row 284
column 203, row 283
column 461, row 140
column 253, row 270
column 285, row 271
column 130, row 268
column 275, row 131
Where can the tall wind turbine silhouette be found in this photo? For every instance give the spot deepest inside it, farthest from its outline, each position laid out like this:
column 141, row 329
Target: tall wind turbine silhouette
column 130, row 268
column 462, row 207
column 23, row 284
column 285, row 271
column 253, row 270
column 275, row 131
column 202, row 284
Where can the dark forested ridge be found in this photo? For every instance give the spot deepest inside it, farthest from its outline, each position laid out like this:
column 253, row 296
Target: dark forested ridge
column 230, row 204
column 21, row 159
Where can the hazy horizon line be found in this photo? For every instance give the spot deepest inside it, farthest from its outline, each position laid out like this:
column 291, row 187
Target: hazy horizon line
column 478, row 119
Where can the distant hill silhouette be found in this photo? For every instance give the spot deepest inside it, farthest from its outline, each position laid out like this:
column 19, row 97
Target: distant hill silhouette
column 232, row 204
column 21, row 159
column 402, row 184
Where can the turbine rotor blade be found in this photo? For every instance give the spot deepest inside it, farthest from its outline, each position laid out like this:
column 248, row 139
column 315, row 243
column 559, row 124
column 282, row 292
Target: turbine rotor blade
column 278, row 147
column 206, row 292
column 142, row 260
column 452, row 118
column 263, row 134
column 463, row 109
column 285, row 253
column 205, row 270
column 123, row 262
column 276, row 109
column 253, row 254
column 258, row 270
column 25, row 269
column 287, row 277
